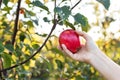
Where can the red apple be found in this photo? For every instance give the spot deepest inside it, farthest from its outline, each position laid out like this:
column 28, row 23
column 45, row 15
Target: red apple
column 70, row 39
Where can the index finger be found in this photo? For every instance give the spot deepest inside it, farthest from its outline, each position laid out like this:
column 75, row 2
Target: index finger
column 84, row 35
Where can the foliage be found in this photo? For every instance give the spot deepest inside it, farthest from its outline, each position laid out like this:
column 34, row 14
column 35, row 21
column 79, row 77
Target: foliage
column 50, row 63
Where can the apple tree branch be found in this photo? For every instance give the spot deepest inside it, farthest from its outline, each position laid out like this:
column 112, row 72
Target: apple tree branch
column 16, row 23
column 39, row 49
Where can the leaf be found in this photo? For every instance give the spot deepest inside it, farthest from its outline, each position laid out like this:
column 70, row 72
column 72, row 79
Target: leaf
column 43, row 35
column 5, row 2
column 45, row 1
column 22, row 37
column 9, row 47
column 28, row 47
column 39, row 4
column 7, row 9
column 46, row 19
column 30, row 13
column 79, row 18
column 69, row 24
column 106, row 3
column 7, row 60
column 48, row 64
column 18, row 51
column 63, row 12
column 64, row 0
column 13, row 1
column 27, row 1
column 35, row 46
column 56, row 50
column 1, row 47
column 36, row 22
column 59, row 64
column 29, row 23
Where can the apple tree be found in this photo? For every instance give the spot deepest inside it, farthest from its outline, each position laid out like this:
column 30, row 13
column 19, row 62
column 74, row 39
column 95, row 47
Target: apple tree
column 29, row 40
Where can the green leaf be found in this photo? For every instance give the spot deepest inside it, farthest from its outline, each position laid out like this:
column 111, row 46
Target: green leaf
column 35, row 46
column 5, row 2
column 69, row 24
column 43, row 35
column 106, row 3
column 6, row 25
column 9, row 47
column 29, row 23
column 59, row 64
column 6, row 8
column 56, row 50
column 46, row 19
column 36, row 22
column 30, row 13
column 41, row 5
column 79, row 18
column 63, row 12
column 1, row 47
column 7, row 60
column 18, row 51
column 28, row 47
column 48, row 64
column 22, row 37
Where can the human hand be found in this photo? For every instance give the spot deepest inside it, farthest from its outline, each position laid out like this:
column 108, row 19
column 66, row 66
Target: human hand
column 91, row 54
column 86, row 52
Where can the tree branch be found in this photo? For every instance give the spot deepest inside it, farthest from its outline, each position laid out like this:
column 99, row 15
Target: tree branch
column 55, row 12
column 75, row 5
column 16, row 22
column 1, row 67
column 34, row 53
column 39, row 49
column 0, row 3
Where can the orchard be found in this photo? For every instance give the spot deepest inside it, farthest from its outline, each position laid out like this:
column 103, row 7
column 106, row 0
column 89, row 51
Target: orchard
column 32, row 30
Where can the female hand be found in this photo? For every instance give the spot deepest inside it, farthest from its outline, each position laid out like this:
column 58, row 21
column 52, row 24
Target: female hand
column 87, row 50
column 91, row 54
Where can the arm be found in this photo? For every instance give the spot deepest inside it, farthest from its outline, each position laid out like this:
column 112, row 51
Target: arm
column 91, row 54
column 109, row 69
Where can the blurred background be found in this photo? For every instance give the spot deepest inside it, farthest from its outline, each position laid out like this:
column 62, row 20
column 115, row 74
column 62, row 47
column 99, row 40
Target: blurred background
column 99, row 18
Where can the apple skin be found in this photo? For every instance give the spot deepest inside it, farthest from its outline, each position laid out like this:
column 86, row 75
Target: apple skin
column 70, row 39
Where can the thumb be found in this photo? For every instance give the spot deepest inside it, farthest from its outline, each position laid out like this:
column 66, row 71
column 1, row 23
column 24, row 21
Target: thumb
column 69, row 53
column 84, row 35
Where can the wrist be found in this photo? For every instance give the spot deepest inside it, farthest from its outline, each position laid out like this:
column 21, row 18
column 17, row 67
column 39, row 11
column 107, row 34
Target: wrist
column 105, row 65
column 96, row 56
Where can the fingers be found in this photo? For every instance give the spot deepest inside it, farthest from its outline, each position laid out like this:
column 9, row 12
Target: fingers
column 84, row 35
column 59, row 47
column 69, row 53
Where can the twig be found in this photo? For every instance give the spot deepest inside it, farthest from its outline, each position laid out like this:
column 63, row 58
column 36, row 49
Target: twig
column 1, row 67
column 55, row 12
column 34, row 53
column 39, row 49
column 16, row 22
column 75, row 5
column 71, row 8
column 0, row 3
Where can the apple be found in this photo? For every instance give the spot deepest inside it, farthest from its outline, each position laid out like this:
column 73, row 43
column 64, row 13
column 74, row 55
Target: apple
column 70, row 39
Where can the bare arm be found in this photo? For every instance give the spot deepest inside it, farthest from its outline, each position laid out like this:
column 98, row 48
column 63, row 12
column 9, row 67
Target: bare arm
column 91, row 54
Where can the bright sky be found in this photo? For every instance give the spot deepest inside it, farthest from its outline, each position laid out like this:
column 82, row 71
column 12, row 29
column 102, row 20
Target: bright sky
column 86, row 10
